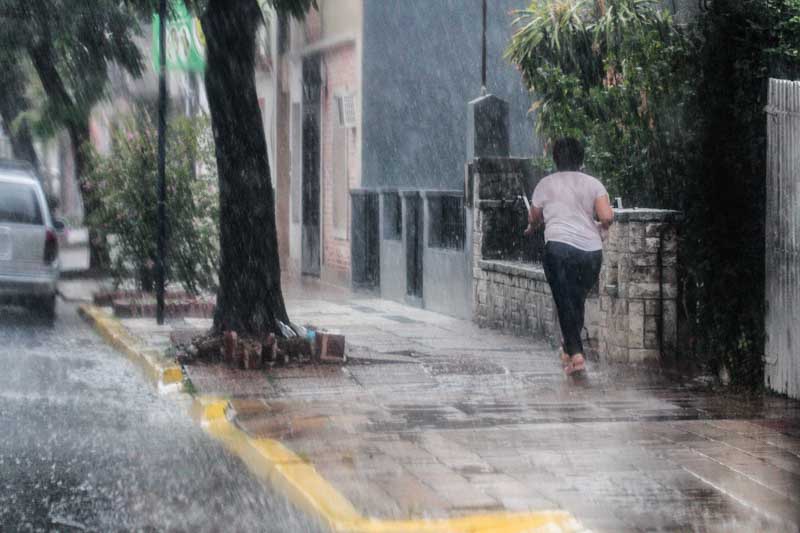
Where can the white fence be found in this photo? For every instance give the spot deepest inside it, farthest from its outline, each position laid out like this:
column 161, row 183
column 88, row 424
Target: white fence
column 782, row 352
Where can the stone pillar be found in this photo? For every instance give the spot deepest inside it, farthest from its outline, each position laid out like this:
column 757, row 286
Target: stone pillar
column 487, row 128
column 638, row 288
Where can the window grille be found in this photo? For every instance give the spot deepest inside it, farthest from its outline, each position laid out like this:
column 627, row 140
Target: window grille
column 447, row 222
column 346, row 111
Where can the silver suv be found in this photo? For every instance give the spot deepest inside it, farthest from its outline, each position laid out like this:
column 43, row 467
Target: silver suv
column 29, row 264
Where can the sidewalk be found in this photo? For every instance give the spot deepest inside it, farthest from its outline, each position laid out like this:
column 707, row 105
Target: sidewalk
column 74, row 250
column 434, row 417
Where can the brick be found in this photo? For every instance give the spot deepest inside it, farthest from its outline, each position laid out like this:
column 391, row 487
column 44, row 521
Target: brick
column 636, row 239
column 616, row 353
column 671, row 320
column 650, row 290
column 670, row 244
column 643, row 260
column 653, row 229
column 651, row 245
column 645, row 355
column 651, row 339
column 330, row 347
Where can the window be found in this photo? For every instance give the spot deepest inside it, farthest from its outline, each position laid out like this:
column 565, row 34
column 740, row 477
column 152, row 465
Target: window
column 19, row 204
column 346, row 110
column 447, row 222
column 392, row 217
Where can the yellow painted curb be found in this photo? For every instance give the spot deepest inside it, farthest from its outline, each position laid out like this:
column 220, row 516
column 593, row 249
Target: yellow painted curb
column 158, row 369
column 297, row 479
column 307, row 489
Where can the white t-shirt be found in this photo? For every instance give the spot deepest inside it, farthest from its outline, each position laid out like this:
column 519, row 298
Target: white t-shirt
column 567, row 199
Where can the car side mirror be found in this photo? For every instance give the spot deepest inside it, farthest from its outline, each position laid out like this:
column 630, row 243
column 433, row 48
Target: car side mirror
column 59, row 225
column 52, row 201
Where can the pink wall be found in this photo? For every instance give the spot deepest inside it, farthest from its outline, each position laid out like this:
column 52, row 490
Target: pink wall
column 340, row 66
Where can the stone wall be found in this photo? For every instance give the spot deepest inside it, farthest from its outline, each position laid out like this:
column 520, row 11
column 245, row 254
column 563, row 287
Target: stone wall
column 631, row 316
column 639, row 287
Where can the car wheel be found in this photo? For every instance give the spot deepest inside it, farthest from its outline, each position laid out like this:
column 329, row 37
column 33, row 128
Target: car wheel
column 46, row 307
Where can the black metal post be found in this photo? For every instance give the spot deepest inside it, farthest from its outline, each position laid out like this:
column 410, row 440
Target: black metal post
column 483, row 52
column 162, row 149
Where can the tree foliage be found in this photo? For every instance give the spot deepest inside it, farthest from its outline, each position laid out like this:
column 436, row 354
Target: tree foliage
column 14, row 104
column 71, row 46
column 672, row 117
column 742, row 44
column 123, row 184
column 613, row 74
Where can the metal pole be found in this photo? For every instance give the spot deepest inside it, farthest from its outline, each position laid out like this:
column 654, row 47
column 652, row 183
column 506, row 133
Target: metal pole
column 483, row 52
column 162, row 149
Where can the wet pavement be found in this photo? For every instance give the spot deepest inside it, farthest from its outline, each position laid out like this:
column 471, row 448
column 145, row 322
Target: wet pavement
column 86, row 444
column 434, row 417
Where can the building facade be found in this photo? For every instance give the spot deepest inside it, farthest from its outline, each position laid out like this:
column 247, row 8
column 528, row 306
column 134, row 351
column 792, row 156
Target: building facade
column 371, row 122
column 318, row 137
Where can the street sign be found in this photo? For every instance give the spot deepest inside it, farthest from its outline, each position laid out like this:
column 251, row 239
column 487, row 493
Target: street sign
column 186, row 44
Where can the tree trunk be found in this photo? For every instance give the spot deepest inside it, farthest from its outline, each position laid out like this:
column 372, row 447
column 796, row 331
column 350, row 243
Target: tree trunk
column 78, row 129
column 79, row 140
column 249, row 299
column 21, row 142
column 12, row 103
column 20, row 137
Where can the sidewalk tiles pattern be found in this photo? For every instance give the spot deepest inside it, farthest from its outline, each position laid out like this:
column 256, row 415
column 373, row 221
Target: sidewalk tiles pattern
column 434, row 417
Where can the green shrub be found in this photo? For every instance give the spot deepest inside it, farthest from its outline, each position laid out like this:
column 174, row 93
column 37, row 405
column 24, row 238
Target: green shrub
column 124, row 183
column 741, row 44
column 613, row 74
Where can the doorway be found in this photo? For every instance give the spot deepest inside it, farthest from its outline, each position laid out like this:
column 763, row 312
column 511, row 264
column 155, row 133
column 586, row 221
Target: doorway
column 310, row 245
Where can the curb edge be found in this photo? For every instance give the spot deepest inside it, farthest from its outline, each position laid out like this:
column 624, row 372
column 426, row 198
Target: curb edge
column 296, row 478
column 270, row 460
column 162, row 372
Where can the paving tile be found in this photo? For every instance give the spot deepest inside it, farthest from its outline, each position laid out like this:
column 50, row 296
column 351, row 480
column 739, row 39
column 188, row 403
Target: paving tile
column 782, row 459
column 436, row 417
column 362, row 492
column 746, row 491
column 407, row 452
column 415, row 499
column 461, row 495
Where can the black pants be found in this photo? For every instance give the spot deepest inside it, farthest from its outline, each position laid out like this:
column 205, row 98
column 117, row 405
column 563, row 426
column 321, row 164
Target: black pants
column 571, row 274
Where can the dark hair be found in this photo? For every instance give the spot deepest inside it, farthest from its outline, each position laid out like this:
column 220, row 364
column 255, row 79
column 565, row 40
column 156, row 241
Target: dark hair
column 568, row 154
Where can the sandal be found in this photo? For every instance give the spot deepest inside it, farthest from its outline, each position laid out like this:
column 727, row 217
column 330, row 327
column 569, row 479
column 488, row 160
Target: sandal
column 564, row 358
column 576, row 364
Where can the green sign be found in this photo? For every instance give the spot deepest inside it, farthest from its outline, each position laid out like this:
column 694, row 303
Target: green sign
column 186, row 44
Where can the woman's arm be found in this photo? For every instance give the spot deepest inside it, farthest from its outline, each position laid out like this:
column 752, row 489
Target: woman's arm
column 535, row 218
column 602, row 206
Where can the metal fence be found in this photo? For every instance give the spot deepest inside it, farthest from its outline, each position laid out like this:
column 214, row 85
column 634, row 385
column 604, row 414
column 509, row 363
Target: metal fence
column 447, row 221
column 782, row 352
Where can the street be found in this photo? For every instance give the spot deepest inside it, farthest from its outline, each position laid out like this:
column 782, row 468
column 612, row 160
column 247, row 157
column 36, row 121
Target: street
column 400, row 266
column 88, row 444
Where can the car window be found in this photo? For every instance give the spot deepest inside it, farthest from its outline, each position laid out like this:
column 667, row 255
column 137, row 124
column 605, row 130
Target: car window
column 19, row 204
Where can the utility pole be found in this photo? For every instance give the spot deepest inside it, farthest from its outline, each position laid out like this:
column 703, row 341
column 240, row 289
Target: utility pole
column 162, row 152
column 483, row 52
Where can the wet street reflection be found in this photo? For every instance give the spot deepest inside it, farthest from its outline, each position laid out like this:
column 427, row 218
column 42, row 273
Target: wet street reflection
column 88, row 445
